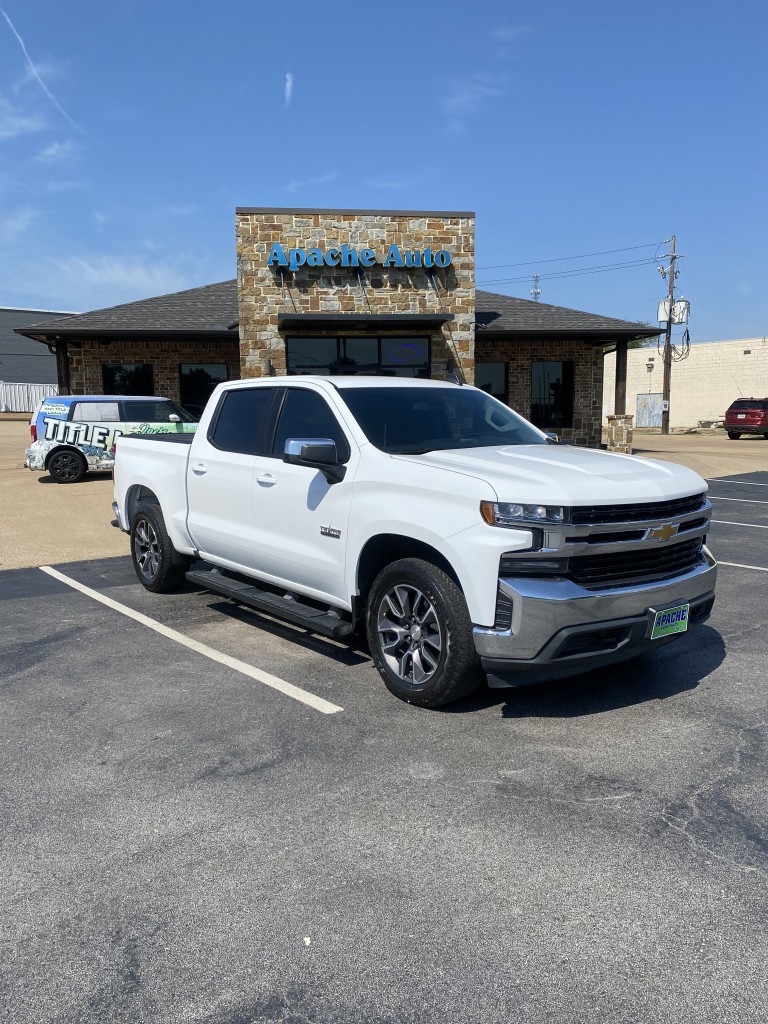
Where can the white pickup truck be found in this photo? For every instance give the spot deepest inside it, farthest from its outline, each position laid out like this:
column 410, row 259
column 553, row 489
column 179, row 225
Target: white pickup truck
column 468, row 543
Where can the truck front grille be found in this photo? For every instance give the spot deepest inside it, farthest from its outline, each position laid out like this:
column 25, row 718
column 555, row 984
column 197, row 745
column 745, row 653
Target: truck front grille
column 606, row 514
column 626, row 568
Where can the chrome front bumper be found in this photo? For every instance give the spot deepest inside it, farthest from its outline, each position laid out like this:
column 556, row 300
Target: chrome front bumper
column 558, row 628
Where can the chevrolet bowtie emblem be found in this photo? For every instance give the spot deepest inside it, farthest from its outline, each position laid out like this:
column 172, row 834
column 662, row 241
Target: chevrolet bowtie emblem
column 663, row 532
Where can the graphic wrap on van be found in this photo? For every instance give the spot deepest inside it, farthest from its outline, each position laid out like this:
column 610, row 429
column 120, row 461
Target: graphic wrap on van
column 94, row 437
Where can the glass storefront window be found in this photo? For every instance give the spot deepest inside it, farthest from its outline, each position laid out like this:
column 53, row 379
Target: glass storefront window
column 197, row 381
column 492, row 378
column 390, row 357
column 127, row 378
column 552, row 394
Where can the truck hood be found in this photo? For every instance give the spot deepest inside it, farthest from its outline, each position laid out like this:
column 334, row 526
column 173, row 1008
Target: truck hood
column 565, row 475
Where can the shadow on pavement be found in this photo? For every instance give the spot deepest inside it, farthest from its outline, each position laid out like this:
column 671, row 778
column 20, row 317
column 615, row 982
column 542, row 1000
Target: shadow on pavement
column 676, row 668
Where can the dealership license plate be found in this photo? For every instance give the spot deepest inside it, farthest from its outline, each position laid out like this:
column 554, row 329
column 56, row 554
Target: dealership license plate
column 671, row 620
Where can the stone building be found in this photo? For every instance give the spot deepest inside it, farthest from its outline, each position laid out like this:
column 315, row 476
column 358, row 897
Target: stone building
column 348, row 291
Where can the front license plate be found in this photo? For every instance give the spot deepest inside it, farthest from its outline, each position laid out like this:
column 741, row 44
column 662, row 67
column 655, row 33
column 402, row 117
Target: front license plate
column 671, row 620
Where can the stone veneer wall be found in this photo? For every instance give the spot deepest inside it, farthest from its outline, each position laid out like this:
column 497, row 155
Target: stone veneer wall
column 519, row 353
column 86, row 359
column 262, row 295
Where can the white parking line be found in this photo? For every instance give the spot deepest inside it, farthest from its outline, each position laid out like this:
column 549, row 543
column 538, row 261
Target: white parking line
column 288, row 689
column 747, row 501
column 738, row 565
column 727, row 522
column 744, row 483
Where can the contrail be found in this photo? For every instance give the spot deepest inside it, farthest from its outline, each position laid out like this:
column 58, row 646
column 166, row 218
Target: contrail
column 288, row 88
column 36, row 75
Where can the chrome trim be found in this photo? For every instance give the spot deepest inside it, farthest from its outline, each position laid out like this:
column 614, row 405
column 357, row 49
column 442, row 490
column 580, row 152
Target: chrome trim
column 543, row 607
column 118, row 517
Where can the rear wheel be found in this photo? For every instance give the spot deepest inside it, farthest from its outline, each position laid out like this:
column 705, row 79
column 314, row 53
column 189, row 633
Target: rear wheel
column 158, row 565
column 420, row 634
column 67, row 467
column 734, row 435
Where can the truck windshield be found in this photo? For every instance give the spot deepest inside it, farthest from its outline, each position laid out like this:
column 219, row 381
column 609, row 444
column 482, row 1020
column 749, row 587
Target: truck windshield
column 415, row 420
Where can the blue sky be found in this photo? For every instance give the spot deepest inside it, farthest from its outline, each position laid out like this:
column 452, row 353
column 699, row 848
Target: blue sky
column 130, row 132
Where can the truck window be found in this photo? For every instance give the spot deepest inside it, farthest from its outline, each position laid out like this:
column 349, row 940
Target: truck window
column 410, row 420
column 95, row 412
column 149, row 411
column 307, row 414
column 239, row 425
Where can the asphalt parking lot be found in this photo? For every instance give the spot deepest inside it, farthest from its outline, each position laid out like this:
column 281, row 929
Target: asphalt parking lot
column 185, row 838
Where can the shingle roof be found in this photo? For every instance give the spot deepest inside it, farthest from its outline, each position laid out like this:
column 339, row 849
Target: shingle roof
column 213, row 309
column 210, row 308
column 505, row 314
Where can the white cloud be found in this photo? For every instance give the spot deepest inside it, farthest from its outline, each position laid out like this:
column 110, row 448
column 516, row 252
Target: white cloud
column 392, row 185
column 95, row 281
column 288, row 89
column 12, row 226
column 296, row 185
column 54, row 187
column 464, row 97
column 13, row 123
column 56, row 151
column 508, row 33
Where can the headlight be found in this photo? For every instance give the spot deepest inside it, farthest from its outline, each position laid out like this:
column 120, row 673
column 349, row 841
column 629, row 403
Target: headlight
column 505, row 513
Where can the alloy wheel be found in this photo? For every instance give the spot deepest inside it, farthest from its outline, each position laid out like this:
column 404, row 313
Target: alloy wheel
column 146, row 549
column 410, row 635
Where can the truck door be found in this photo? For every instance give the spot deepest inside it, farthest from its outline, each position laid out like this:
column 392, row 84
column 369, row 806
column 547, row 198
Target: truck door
column 300, row 519
column 220, row 475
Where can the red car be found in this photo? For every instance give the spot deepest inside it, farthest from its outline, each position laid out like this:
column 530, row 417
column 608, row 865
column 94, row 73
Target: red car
column 747, row 416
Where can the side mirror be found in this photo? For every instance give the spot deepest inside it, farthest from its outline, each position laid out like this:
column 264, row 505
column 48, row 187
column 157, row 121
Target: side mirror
column 315, row 453
column 174, row 418
column 551, row 437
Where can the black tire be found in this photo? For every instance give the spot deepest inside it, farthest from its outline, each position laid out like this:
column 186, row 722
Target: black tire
column 734, row 435
column 157, row 564
column 420, row 634
column 67, row 466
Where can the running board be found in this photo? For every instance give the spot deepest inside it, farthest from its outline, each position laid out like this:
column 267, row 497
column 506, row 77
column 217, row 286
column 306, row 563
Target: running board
column 287, row 608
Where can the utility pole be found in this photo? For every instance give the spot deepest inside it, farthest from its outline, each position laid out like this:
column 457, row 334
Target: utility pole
column 668, row 340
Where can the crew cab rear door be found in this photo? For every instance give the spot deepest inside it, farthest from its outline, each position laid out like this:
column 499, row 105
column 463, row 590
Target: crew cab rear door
column 220, row 474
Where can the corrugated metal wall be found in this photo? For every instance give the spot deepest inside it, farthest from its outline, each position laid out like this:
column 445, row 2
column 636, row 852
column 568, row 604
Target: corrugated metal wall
column 24, row 397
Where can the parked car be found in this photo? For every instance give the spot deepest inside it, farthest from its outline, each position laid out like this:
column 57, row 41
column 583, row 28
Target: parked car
column 747, row 416
column 75, row 434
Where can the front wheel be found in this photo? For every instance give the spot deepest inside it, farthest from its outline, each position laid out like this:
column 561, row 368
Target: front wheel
column 67, row 467
column 420, row 634
column 157, row 564
column 734, row 435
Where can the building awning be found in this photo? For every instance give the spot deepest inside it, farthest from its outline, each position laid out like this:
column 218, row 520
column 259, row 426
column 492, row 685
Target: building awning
column 305, row 322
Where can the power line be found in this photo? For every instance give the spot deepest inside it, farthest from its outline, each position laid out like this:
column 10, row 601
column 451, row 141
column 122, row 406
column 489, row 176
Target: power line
column 573, row 273
column 561, row 259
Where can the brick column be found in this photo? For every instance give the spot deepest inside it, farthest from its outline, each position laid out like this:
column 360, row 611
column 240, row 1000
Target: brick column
column 620, row 434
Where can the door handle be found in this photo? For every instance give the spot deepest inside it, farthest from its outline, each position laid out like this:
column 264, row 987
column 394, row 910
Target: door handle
column 199, row 468
column 266, row 479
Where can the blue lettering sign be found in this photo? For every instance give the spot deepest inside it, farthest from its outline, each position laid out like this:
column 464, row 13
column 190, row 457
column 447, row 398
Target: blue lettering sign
column 346, row 256
column 277, row 257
